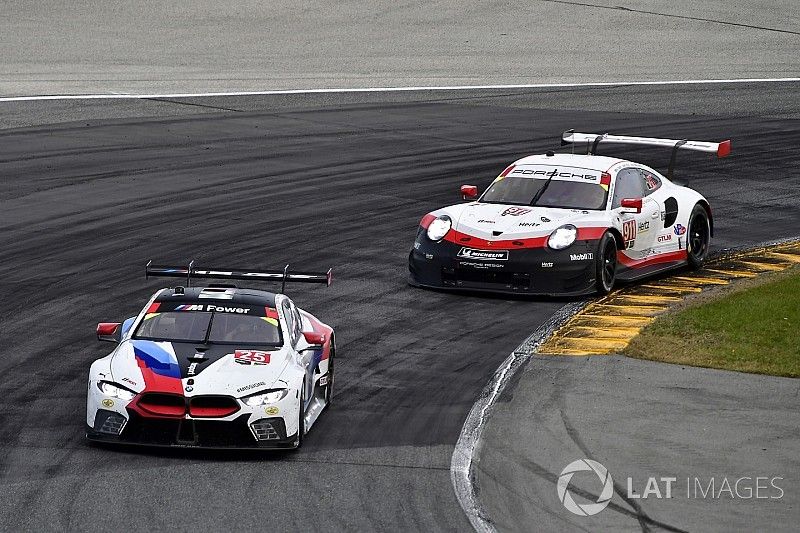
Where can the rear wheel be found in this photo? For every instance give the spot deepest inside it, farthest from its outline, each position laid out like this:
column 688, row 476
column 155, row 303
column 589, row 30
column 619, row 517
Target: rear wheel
column 698, row 237
column 606, row 264
column 329, row 385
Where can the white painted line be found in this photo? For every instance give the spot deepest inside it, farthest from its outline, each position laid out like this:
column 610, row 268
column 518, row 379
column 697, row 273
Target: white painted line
column 117, row 96
column 469, row 440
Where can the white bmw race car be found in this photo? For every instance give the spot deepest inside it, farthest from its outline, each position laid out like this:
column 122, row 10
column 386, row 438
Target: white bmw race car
column 567, row 224
column 213, row 367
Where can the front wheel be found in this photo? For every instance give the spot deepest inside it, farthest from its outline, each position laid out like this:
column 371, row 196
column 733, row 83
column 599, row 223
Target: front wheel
column 301, row 423
column 606, row 264
column 698, row 237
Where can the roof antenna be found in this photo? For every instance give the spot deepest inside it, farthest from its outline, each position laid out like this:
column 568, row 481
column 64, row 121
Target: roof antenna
column 285, row 275
column 189, row 273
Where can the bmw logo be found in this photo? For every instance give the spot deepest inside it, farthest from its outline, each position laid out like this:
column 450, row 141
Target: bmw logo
column 189, row 388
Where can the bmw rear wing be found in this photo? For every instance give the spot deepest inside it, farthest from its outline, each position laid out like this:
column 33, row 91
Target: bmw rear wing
column 592, row 140
column 283, row 276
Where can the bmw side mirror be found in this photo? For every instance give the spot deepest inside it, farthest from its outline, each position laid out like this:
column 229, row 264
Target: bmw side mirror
column 469, row 192
column 631, row 205
column 316, row 340
column 109, row 331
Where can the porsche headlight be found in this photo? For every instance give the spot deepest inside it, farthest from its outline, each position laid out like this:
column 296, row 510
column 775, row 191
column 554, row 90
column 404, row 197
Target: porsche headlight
column 266, row 397
column 439, row 228
column 111, row 389
column 562, row 237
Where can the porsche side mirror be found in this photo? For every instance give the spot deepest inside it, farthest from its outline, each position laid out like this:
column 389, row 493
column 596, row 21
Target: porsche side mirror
column 469, row 192
column 109, row 331
column 631, row 205
column 316, row 340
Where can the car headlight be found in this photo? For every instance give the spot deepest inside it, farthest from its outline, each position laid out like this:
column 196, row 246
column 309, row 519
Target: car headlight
column 262, row 398
column 439, row 228
column 117, row 391
column 562, row 237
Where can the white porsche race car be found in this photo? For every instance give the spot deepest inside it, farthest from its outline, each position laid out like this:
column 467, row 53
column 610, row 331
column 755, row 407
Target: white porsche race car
column 567, row 224
column 213, row 367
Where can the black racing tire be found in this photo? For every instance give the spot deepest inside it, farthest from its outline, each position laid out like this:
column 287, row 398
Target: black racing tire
column 698, row 237
column 606, row 264
column 301, row 423
column 329, row 386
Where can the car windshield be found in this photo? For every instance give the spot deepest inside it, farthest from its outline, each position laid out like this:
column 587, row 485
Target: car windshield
column 212, row 327
column 564, row 190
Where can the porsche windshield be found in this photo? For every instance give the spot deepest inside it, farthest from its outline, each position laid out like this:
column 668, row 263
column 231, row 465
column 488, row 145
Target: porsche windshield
column 570, row 188
column 214, row 327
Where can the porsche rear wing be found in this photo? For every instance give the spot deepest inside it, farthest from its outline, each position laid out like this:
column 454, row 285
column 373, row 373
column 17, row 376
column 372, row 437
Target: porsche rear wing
column 592, row 140
column 283, row 276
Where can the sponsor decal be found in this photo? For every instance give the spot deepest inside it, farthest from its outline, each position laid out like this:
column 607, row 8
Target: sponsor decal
column 251, row 357
column 484, row 221
column 581, row 257
column 272, row 410
column 663, row 215
column 189, row 388
column 212, row 307
column 481, row 265
column 129, row 380
column 679, row 229
column 323, row 380
column 629, row 233
column 251, row 386
column 665, row 238
column 554, row 173
column 651, row 181
column 107, row 403
column 547, row 265
column 483, row 255
column 644, row 226
column 528, row 224
column 192, row 369
column 515, row 211
column 545, row 220
column 417, row 245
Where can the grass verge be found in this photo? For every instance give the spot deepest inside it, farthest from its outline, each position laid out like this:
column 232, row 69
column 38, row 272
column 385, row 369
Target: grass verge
column 754, row 328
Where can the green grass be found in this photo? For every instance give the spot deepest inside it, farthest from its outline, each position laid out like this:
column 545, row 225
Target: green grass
column 755, row 330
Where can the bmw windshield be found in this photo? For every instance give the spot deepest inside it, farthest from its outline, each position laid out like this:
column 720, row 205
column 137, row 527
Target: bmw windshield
column 203, row 323
column 568, row 188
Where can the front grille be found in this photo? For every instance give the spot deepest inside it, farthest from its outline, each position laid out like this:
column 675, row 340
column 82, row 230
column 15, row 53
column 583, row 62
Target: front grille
column 175, row 406
column 108, row 422
column 212, row 406
column 472, row 277
column 161, row 404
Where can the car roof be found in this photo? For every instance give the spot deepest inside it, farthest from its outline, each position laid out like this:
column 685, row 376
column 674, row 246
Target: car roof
column 600, row 163
column 220, row 293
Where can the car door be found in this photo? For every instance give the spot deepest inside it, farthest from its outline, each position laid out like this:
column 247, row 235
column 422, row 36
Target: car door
column 638, row 229
column 295, row 332
column 661, row 224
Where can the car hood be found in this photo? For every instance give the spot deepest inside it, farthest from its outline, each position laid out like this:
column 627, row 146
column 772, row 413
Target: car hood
column 142, row 365
column 509, row 221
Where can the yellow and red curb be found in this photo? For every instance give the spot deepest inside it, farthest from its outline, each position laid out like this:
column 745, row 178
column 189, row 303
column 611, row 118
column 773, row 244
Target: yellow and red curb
column 607, row 325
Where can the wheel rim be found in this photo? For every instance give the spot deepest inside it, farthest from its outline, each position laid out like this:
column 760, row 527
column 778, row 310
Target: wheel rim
column 698, row 237
column 609, row 265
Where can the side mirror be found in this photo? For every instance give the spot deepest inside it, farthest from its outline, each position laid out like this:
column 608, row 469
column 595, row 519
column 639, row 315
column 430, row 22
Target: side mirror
column 469, row 192
column 631, row 205
column 314, row 339
column 109, row 331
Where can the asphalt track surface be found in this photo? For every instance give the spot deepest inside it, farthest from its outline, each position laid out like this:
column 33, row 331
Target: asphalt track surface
column 108, row 46
column 263, row 182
